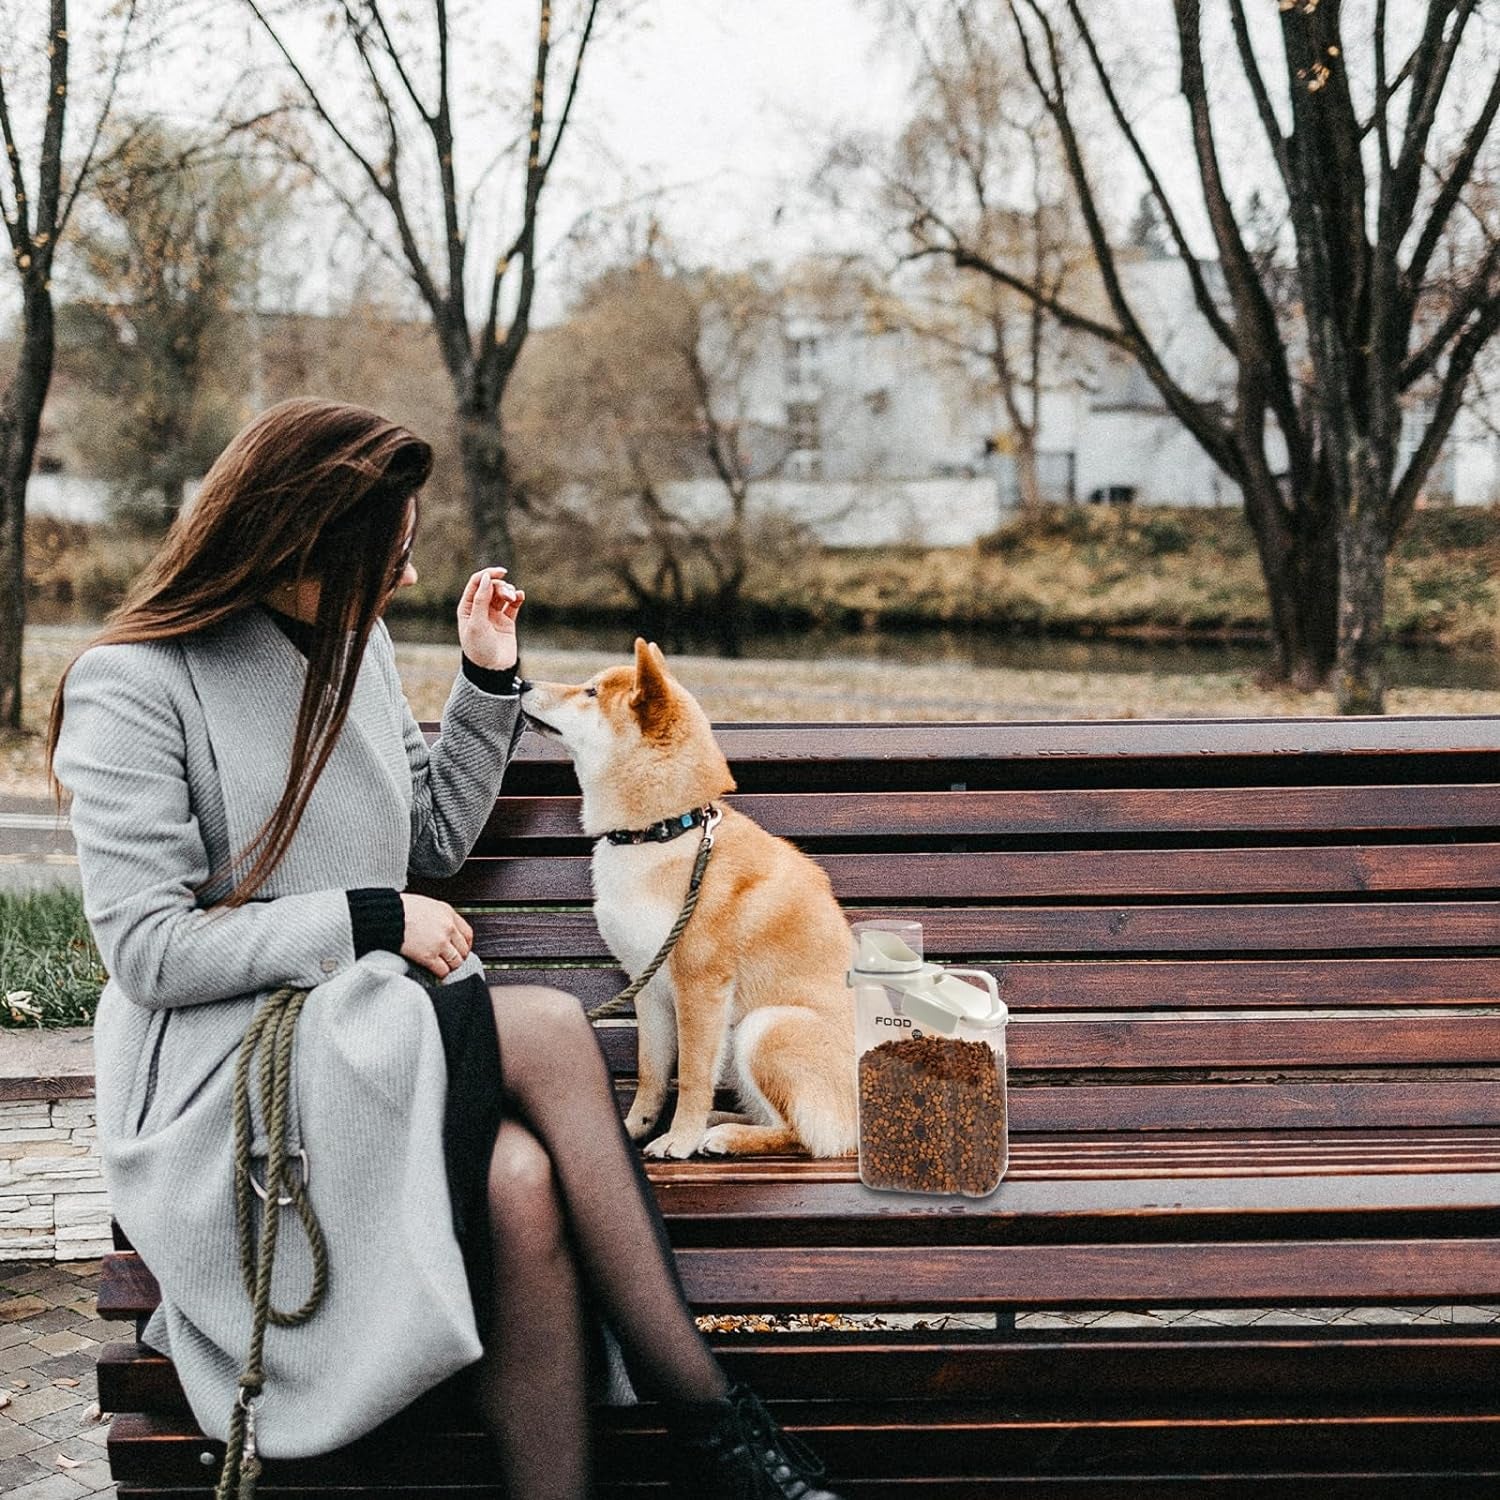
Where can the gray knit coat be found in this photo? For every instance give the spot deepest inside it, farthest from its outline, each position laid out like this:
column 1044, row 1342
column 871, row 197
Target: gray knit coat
column 175, row 752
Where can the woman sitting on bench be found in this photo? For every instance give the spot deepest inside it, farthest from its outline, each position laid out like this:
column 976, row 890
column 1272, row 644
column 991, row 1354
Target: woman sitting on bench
column 250, row 791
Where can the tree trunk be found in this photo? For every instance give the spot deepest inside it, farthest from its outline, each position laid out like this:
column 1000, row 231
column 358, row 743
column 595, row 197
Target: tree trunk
column 1028, row 481
column 490, row 487
column 728, row 612
column 1300, row 566
column 20, row 423
column 1364, row 544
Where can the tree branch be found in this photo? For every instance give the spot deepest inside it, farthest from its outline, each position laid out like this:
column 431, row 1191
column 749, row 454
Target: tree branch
column 1473, row 296
column 1196, row 416
column 389, row 47
column 1448, row 194
column 972, row 260
column 1265, row 346
column 19, row 226
column 1201, row 294
column 1259, row 92
column 537, row 169
column 442, row 140
column 1433, row 62
column 417, row 267
column 351, row 208
column 1449, row 402
column 49, row 174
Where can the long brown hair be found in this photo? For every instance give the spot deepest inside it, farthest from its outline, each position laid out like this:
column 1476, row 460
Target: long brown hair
column 309, row 489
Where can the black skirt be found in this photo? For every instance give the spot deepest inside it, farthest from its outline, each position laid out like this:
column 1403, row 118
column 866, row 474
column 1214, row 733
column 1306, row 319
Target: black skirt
column 471, row 1119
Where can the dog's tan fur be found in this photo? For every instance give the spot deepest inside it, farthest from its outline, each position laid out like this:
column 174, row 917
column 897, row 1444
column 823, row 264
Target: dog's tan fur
column 754, row 992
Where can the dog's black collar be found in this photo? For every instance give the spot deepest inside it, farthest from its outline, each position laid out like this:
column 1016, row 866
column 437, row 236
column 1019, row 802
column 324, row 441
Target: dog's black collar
column 661, row 832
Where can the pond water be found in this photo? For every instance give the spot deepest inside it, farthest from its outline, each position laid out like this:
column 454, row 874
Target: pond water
column 1407, row 666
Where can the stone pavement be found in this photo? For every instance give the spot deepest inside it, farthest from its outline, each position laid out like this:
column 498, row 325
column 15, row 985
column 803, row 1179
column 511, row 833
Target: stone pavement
column 51, row 1433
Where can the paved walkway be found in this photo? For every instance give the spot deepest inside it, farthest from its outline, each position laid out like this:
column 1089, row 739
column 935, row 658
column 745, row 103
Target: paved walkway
column 51, row 1433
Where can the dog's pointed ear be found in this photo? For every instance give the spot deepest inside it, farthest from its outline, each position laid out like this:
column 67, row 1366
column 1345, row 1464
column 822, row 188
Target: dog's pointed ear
column 651, row 699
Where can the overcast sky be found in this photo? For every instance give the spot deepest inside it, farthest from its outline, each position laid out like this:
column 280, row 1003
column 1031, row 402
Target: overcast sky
column 714, row 110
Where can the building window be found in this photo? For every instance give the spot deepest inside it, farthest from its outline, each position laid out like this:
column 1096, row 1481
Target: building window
column 801, row 359
column 802, row 422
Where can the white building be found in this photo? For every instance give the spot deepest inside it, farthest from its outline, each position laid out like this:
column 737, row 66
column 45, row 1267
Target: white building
column 886, row 444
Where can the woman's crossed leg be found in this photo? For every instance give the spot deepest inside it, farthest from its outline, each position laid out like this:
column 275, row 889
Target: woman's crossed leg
column 567, row 1195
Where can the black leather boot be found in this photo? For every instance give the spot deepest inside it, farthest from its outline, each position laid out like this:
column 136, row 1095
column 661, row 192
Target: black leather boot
column 734, row 1449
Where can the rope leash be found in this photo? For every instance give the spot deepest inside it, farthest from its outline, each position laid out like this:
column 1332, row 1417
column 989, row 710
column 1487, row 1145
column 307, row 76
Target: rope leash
column 274, row 1025
column 628, row 994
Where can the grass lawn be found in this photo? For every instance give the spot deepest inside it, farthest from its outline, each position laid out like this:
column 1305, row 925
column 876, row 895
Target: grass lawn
column 50, row 973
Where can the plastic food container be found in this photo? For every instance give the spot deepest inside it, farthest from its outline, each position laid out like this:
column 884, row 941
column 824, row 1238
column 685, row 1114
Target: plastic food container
column 930, row 1053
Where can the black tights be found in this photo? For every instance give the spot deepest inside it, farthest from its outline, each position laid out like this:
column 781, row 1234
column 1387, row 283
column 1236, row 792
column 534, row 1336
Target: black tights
column 574, row 1227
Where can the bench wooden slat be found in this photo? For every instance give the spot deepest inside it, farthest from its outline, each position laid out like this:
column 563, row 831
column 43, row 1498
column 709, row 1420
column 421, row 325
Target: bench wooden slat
column 1283, row 1105
column 1045, row 873
column 1288, row 1368
column 788, row 1209
column 1363, row 1486
column 1182, row 810
column 982, row 1277
column 991, row 931
column 1288, row 1040
column 857, row 1438
column 1160, row 984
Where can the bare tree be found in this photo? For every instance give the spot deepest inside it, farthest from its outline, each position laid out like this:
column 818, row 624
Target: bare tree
column 984, row 153
column 36, row 203
column 407, row 75
column 1394, row 276
column 653, row 382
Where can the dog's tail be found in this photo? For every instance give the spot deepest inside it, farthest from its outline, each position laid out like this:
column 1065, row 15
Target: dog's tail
column 797, row 1063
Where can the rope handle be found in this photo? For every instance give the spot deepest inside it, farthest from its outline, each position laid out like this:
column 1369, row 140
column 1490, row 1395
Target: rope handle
column 274, row 1024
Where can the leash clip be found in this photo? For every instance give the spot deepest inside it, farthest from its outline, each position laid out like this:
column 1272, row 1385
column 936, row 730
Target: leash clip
column 711, row 821
column 306, row 1171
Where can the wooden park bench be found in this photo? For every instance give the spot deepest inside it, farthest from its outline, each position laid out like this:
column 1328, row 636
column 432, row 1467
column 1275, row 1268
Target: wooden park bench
column 1254, row 976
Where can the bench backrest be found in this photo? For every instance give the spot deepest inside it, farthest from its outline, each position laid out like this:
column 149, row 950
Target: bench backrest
column 1171, row 907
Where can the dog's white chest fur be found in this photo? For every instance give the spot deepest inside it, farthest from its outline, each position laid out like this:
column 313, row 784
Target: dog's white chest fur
column 637, row 898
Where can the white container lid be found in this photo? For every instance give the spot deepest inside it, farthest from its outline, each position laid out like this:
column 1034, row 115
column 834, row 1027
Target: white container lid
column 929, row 993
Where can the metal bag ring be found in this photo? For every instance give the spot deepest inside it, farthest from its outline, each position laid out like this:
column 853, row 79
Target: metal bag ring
column 302, row 1152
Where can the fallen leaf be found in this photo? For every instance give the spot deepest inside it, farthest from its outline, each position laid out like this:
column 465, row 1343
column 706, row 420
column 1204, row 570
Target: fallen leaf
column 21, row 1004
column 64, row 1380
column 64, row 1462
column 4, row 1400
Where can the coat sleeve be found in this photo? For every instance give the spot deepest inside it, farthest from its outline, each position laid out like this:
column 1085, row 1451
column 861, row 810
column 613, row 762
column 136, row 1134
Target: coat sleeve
column 455, row 780
column 121, row 752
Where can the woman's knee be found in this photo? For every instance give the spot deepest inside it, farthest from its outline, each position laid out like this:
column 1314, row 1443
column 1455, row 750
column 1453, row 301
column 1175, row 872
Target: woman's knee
column 525, row 1197
column 554, row 1013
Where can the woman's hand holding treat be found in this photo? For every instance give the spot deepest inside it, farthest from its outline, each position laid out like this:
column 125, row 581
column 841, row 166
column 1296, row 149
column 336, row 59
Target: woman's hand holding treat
column 487, row 619
column 437, row 938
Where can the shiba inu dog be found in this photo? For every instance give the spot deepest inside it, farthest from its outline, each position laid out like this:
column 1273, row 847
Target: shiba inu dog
column 753, row 995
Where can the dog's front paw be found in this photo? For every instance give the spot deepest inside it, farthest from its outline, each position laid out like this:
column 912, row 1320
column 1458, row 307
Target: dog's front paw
column 675, row 1144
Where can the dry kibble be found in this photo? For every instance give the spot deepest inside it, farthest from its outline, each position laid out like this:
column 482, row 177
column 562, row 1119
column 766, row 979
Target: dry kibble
column 931, row 1116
